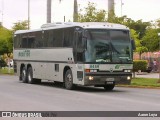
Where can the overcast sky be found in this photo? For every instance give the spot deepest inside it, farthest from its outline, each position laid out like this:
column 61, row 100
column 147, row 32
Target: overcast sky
column 17, row 10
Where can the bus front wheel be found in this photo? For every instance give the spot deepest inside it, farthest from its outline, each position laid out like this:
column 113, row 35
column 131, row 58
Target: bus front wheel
column 68, row 80
column 109, row 87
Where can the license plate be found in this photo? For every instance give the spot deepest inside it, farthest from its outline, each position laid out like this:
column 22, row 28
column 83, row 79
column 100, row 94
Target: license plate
column 109, row 81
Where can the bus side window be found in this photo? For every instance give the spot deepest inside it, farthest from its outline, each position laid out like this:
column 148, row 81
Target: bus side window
column 38, row 38
column 31, row 42
column 24, row 42
column 58, row 38
column 68, row 37
column 17, row 43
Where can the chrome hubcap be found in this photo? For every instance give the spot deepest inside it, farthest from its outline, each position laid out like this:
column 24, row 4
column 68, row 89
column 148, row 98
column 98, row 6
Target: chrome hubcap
column 29, row 77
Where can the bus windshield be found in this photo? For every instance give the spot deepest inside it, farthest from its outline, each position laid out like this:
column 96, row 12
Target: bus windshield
column 106, row 46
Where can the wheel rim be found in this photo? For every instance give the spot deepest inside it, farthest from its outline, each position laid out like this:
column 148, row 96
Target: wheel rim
column 23, row 74
column 68, row 80
column 29, row 77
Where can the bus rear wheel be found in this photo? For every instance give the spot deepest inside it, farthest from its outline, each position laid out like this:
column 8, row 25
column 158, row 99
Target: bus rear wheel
column 68, row 80
column 30, row 75
column 24, row 75
column 109, row 87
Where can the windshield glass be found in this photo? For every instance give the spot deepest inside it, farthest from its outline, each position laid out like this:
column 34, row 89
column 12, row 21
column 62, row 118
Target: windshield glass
column 108, row 46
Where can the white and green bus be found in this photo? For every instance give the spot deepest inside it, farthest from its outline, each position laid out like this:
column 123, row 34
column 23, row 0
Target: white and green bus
column 87, row 54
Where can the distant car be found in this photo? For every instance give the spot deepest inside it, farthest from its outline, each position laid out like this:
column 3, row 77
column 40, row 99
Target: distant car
column 10, row 63
column 148, row 70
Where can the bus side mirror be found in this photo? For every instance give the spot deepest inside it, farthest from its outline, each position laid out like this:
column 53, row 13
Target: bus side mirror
column 133, row 44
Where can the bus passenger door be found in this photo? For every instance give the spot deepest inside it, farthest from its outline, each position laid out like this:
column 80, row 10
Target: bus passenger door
column 78, row 45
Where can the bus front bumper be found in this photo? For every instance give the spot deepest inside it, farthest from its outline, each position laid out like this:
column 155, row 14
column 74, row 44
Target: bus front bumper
column 107, row 78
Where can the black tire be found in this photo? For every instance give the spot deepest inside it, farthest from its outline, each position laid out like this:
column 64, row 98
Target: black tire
column 37, row 81
column 109, row 87
column 24, row 75
column 30, row 75
column 68, row 80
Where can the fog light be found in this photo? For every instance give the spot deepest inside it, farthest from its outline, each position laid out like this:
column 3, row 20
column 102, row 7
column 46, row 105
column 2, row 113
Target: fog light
column 90, row 78
column 128, row 78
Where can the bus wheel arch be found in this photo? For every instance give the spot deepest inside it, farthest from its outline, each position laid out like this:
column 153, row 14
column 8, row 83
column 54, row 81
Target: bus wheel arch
column 30, row 75
column 68, row 78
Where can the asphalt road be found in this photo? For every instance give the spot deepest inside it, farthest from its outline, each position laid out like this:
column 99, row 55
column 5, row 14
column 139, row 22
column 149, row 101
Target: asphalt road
column 18, row 96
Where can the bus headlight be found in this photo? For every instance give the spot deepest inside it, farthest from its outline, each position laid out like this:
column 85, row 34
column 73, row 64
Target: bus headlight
column 90, row 78
column 127, row 70
column 128, row 78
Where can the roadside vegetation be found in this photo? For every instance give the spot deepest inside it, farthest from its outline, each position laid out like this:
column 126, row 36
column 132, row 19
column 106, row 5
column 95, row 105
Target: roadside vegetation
column 5, row 70
column 145, row 82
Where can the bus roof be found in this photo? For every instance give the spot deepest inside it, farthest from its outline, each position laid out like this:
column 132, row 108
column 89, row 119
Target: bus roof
column 85, row 25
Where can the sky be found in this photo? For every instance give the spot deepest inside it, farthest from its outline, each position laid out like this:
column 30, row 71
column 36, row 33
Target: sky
column 17, row 10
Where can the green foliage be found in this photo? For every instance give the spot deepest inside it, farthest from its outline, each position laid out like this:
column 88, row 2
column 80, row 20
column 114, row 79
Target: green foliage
column 139, row 65
column 6, row 43
column 151, row 39
column 91, row 14
column 21, row 25
column 134, row 36
column 2, row 63
column 146, row 82
column 139, row 47
column 158, row 23
column 6, row 71
column 138, row 26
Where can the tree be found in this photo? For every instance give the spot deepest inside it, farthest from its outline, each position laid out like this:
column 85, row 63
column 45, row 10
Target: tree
column 158, row 23
column 91, row 14
column 139, row 47
column 21, row 25
column 6, row 43
column 151, row 40
column 139, row 26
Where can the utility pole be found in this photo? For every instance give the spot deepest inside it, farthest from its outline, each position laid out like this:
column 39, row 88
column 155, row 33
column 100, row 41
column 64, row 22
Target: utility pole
column 111, row 11
column 49, row 4
column 121, row 7
column 75, row 11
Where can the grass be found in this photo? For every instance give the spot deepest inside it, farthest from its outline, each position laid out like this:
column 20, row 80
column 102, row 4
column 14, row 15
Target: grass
column 6, row 71
column 145, row 82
